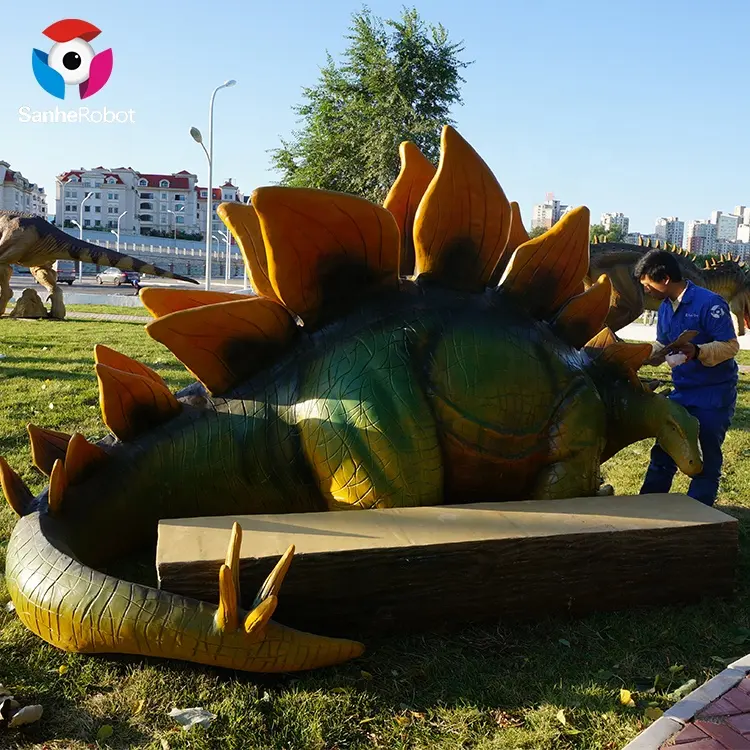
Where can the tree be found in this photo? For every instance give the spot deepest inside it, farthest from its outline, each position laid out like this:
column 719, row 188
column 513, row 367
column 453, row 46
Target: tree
column 397, row 81
column 536, row 231
column 614, row 234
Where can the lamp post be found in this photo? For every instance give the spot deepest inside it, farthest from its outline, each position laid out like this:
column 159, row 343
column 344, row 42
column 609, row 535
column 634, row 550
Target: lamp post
column 227, row 275
column 198, row 138
column 61, row 199
column 117, row 233
column 80, row 235
column 174, row 213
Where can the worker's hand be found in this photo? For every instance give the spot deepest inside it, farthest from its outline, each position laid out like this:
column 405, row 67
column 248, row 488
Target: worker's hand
column 688, row 350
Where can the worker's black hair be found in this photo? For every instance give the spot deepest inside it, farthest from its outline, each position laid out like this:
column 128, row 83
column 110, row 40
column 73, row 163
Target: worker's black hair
column 659, row 265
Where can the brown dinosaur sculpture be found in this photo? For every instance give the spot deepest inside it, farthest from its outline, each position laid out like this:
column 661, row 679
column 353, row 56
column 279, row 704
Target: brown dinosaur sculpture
column 727, row 277
column 31, row 241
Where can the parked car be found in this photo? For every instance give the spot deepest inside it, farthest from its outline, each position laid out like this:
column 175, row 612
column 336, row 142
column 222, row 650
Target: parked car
column 116, row 277
column 66, row 271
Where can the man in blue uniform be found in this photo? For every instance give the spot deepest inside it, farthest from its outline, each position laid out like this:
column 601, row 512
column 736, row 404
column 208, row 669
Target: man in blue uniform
column 706, row 383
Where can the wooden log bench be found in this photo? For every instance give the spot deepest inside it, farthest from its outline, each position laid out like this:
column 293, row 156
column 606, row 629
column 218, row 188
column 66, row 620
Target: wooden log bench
column 417, row 569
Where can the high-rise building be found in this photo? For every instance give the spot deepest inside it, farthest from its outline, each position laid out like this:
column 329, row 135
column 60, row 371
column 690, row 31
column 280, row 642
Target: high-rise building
column 615, row 220
column 701, row 237
column 670, row 229
column 547, row 214
column 18, row 194
column 726, row 225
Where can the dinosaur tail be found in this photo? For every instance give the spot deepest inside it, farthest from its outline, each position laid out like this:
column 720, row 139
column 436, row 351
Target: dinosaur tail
column 76, row 608
column 71, row 248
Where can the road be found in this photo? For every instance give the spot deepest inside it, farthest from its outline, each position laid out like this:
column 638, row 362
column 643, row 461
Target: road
column 20, row 282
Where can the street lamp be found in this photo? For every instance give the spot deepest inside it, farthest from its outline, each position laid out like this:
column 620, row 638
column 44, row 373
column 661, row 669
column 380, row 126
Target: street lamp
column 174, row 213
column 225, row 235
column 80, row 235
column 117, row 233
column 198, row 138
column 61, row 199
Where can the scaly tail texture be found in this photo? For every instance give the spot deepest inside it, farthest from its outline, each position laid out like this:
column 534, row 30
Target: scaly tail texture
column 32, row 241
column 313, row 257
column 76, row 608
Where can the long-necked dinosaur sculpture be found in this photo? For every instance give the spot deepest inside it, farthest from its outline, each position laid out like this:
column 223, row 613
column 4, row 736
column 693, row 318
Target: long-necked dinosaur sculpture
column 31, row 241
column 728, row 277
column 383, row 363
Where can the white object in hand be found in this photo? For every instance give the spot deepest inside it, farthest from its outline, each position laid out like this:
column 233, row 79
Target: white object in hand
column 675, row 360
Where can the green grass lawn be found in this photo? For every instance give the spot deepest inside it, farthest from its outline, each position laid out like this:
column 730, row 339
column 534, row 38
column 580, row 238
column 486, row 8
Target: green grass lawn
column 550, row 684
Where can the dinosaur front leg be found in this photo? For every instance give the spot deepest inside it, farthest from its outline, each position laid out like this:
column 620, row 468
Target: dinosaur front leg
column 576, row 444
column 5, row 291
column 47, row 277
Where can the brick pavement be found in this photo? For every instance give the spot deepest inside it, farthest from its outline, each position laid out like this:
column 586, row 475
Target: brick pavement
column 722, row 725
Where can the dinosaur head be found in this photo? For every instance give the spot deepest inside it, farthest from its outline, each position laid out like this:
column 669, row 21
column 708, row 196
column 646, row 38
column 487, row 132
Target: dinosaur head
column 634, row 411
column 678, row 435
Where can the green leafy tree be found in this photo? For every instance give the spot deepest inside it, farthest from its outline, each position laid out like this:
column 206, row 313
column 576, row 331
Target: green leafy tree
column 614, row 234
column 536, row 231
column 397, row 81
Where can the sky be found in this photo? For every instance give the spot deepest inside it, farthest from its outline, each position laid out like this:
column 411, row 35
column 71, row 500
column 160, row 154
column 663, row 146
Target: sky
column 630, row 106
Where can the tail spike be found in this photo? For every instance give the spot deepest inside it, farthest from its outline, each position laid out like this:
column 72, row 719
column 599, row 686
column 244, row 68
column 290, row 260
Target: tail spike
column 258, row 617
column 227, row 617
column 46, row 447
column 16, row 492
column 272, row 584
column 58, row 484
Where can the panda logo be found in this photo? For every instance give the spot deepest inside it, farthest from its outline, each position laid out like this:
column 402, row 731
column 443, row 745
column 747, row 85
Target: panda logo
column 717, row 311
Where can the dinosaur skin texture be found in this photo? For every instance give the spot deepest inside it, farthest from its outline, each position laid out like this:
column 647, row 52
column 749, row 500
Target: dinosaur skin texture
column 352, row 381
column 31, row 241
column 727, row 277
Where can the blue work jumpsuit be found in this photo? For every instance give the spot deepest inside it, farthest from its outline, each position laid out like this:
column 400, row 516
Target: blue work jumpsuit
column 708, row 393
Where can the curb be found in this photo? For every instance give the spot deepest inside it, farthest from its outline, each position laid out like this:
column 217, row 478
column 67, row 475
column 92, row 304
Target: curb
column 682, row 713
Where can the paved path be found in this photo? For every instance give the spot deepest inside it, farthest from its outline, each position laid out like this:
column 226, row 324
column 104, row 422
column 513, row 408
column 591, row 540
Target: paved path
column 106, row 316
column 722, row 725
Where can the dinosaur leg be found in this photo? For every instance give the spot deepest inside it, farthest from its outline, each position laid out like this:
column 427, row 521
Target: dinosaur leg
column 47, row 277
column 367, row 430
column 5, row 291
column 576, row 444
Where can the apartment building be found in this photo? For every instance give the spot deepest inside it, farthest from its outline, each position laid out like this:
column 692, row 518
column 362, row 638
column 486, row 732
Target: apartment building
column 701, row 237
column 726, row 225
column 143, row 202
column 227, row 193
column 610, row 220
column 670, row 229
column 19, row 194
column 547, row 214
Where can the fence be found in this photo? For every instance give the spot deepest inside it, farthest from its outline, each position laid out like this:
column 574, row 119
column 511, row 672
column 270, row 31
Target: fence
column 181, row 260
